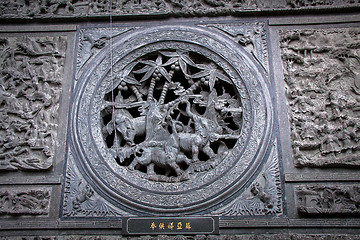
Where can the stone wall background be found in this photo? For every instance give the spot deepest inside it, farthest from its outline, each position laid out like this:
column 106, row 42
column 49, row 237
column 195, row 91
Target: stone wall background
column 314, row 63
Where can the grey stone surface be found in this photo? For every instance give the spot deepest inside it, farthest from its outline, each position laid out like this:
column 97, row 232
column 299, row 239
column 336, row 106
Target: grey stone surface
column 31, row 76
column 25, row 201
column 49, row 69
column 321, row 69
column 169, row 113
column 39, row 9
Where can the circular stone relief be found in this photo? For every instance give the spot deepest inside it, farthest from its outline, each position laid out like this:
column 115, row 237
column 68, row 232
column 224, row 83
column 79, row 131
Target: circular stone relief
column 171, row 120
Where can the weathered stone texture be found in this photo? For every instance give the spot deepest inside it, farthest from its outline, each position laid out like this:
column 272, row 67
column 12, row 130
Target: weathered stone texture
column 327, row 200
column 196, row 237
column 30, row 88
column 322, row 75
column 39, row 9
column 29, row 201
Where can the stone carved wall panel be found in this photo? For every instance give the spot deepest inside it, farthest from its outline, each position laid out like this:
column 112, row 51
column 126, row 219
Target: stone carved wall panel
column 30, row 87
column 328, row 200
column 166, row 117
column 322, row 75
column 251, row 36
column 24, row 201
column 81, row 200
column 38, row 9
column 263, row 197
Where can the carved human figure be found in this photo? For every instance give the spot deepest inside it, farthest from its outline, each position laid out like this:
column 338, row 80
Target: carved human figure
column 330, row 144
column 346, row 135
column 334, row 105
column 309, row 129
column 301, row 102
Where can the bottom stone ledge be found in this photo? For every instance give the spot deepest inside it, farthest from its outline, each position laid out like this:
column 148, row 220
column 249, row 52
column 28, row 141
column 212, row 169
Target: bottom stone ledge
column 195, row 237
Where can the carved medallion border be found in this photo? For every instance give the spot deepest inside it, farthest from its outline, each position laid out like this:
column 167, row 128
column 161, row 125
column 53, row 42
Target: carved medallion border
column 92, row 63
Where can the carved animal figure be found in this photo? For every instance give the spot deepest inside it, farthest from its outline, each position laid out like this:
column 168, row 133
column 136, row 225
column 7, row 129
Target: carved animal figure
column 200, row 140
column 129, row 128
column 162, row 154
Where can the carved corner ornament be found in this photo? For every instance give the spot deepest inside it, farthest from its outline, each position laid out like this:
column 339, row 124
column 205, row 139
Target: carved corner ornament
column 322, row 76
column 30, row 89
column 166, row 118
column 263, row 197
column 328, row 200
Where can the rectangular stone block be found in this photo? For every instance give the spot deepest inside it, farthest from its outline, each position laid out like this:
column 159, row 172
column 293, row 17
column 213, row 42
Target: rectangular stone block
column 322, row 75
column 328, row 200
column 30, row 79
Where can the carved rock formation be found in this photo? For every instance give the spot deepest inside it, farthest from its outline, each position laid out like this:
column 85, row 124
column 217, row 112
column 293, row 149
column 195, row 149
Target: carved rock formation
column 30, row 88
column 322, row 75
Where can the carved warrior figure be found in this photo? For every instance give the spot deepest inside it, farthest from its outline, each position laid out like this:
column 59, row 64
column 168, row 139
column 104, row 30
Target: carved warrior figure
column 166, row 122
column 321, row 71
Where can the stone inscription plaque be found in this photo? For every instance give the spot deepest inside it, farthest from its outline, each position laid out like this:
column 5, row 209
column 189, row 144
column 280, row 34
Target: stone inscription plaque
column 174, row 225
column 172, row 120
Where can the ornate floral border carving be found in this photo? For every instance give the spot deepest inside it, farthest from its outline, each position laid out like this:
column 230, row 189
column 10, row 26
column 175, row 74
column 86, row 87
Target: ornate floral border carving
column 263, row 197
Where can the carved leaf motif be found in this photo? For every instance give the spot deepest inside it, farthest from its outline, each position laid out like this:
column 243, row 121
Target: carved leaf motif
column 181, row 57
column 151, row 67
column 124, row 76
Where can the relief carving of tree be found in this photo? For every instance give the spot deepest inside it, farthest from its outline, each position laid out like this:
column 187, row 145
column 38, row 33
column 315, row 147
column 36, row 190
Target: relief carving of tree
column 169, row 114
